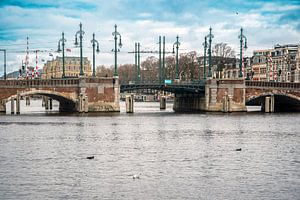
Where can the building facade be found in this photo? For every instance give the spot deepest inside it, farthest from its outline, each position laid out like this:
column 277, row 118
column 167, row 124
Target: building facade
column 278, row 64
column 259, row 65
column 222, row 67
column 54, row 68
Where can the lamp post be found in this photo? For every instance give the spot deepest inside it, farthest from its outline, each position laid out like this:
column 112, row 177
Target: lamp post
column 204, row 61
column 177, row 43
column 80, row 32
column 135, row 63
column 163, row 60
column 159, row 60
column 138, row 63
column 210, row 36
column 62, row 41
column 241, row 37
column 4, row 51
column 116, row 34
column 93, row 41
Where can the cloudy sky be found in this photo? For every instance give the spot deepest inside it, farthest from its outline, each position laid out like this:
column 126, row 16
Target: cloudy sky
column 265, row 24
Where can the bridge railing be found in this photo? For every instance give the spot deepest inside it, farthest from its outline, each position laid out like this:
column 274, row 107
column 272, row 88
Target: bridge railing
column 38, row 82
column 267, row 84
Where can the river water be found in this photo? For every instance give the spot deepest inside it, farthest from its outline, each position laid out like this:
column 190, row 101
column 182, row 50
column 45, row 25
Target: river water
column 176, row 156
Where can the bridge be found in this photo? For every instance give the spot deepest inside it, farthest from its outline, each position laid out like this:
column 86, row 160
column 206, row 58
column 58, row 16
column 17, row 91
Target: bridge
column 228, row 95
column 102, row 94
column 193, row 88
column 284, row 96
column 74, row 95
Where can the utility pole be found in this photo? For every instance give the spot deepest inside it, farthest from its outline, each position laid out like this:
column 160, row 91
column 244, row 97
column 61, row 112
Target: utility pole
column 4, row 54
column 81, row 33
column 209, row 52
column 62, row 40
column 241, row 37
column 138, row 61
column 163, row 60
column 93, row 41
column 177, row 43
column 115, row 34
column 159, row 60
column 204, row 61
column 135, row 63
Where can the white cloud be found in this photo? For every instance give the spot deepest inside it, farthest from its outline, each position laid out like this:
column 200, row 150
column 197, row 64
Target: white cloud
column 44, row 27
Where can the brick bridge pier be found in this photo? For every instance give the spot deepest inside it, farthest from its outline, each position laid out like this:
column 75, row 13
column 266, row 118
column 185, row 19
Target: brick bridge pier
column 73, row 95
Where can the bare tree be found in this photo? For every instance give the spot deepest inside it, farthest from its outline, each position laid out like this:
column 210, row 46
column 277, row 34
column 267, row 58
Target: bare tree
column 149, row 70
column 103, row 71
column 223, row 50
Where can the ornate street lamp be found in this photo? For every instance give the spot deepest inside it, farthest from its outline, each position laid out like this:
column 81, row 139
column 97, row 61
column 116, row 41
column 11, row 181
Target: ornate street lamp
column 210, row 36
column 241, row 37
column 177, row 43
column 93, row 41
column 204, row 62
column 62, row 41
column 80, row 32
column 116, row 34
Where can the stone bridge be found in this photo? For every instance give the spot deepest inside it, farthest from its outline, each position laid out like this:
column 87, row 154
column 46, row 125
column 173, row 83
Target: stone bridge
column 229, row 95
column 285, row 96
column 76, row 94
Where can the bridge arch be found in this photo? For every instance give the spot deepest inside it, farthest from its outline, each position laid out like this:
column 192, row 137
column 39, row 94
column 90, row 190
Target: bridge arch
column 283, row 101
column 66, row 103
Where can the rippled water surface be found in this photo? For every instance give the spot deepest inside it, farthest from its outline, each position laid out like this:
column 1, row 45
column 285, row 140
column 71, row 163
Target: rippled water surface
column 177, row 156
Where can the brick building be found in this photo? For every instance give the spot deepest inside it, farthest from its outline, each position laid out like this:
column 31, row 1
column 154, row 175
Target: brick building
column 277, row 64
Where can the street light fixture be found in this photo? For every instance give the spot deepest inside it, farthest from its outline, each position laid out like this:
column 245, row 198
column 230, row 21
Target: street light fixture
column 93, row 41
column 241, row 37
column 80, row 32
column 177, row 43
column 204, row 62
column 62, row 41
column 116, row 34
column 210, row 36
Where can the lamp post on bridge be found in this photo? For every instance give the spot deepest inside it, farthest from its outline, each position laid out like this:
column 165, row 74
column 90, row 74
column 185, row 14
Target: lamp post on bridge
column 135, row 62
column 162, row 50
column 138, row 63
column 4, row 51
column 163, row 60
column 177, row 43
column 116, row 34
column 241, row 37
column 81, row 33
column 204, row 61
column 159, row 60
column 93, row 41
column 62, row 41
column 210, row 36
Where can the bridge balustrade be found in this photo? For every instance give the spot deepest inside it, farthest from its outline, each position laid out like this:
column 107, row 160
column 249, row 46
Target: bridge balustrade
column 38, row 82
column 266, row 84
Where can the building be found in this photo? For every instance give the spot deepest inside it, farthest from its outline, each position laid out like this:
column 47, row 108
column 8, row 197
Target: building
column 278, row 64
column 54, row 68
column 297, row 69
column 283, row 63
column 222, row 67
column 259, row 65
